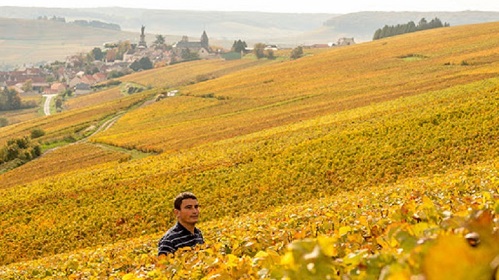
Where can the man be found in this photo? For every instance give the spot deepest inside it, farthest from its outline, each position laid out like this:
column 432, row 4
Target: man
column 184, row 233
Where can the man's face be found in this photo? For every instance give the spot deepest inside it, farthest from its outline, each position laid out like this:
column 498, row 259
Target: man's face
column 189, row 211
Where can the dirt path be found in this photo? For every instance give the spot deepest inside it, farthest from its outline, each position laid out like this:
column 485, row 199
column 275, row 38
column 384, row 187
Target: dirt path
column 46, row 105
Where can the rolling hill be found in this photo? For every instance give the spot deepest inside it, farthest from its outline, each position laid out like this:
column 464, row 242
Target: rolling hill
column 364, row 161
column 363, row 24
column 284, row 29
column 33, row 42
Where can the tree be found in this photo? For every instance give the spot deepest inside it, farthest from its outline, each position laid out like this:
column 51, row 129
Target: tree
column 21, row 149
column 27, row 86
column 115, row 74
column 423, row 24
column 111, row 55
column 186, row 54
column 239, row 46
column 135, row 66
column 36, row 151
column 50, row 79
column 10, row 100
column 67, row 93
column 159, row 43
column 3, row 100
column 388, row 31
column 297, row 52
column 259, row 50
column 97, row 54
column 58, row 103
column 145, row 63
column 141, row 64
column 37, row 133
column 14, row 100
column 123, row 47
column 411, row 27
column 435, row 23
column 160, row 40
column 270, row 54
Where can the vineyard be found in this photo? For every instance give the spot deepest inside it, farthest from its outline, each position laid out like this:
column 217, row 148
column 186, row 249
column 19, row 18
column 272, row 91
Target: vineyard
column 352, row 163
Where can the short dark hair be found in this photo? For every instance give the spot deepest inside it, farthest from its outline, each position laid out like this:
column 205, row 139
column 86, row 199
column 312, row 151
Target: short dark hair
column 181, row 197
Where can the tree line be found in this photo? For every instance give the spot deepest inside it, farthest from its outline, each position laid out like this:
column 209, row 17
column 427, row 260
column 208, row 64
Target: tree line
column 82, row 22
column 393, row 30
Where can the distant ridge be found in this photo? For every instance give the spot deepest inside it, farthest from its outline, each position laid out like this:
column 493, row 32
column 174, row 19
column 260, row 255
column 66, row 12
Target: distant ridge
column 33, row 42
column 218, row 24
column 363, row 24
column 283, row 29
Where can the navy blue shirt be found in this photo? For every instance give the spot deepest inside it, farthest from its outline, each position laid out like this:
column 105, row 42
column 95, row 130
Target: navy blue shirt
column 178, row 237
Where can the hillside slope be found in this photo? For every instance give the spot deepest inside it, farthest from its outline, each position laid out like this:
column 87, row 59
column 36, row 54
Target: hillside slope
column 367, row 148
column 337, row 80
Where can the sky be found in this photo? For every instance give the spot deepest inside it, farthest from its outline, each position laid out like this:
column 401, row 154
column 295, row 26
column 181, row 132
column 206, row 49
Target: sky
column 289, row 6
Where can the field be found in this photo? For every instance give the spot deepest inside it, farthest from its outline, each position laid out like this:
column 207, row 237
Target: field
column 373, row 161
column 24, row 115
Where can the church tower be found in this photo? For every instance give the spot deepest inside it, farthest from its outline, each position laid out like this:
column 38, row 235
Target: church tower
column 142, row 42
column 204, row 41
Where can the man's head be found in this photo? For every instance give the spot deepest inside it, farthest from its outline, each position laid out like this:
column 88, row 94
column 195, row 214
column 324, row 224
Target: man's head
column 178, row 200
column 186, row 209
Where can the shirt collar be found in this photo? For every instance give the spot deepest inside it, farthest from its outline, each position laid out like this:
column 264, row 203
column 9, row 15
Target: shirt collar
column 182, row 228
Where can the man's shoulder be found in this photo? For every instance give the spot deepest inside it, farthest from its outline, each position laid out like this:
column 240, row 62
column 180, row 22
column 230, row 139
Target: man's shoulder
column 173, row 231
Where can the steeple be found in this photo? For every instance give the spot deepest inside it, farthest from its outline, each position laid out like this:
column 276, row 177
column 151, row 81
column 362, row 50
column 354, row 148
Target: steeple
column 205, row 41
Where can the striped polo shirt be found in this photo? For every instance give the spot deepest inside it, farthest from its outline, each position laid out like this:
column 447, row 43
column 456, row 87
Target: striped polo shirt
column 178, row 237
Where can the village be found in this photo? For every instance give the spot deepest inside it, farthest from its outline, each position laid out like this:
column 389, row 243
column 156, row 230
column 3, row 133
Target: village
column 79, row 73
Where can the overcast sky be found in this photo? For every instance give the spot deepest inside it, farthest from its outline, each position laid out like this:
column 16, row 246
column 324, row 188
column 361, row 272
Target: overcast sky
column 289, row 6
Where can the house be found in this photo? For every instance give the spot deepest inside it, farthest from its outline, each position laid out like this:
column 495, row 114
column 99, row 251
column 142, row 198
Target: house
column 130, row 55
column 88, row 79
column 55, row 88
column 19, row 77
column 73, row 82
column 271, row 47
column 82, row 88
column 345, row 42
column 202, row 48
column 116, row 66
column 79, row 86
column 320, row 46
column 39, row 83
column 58, row 87
column 99, row 77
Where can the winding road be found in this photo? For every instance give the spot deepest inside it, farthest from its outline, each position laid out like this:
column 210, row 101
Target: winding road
column 46, row 106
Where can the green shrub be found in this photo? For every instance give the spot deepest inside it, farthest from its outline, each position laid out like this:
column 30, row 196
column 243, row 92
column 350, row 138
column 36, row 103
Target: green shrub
column 37, row 132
